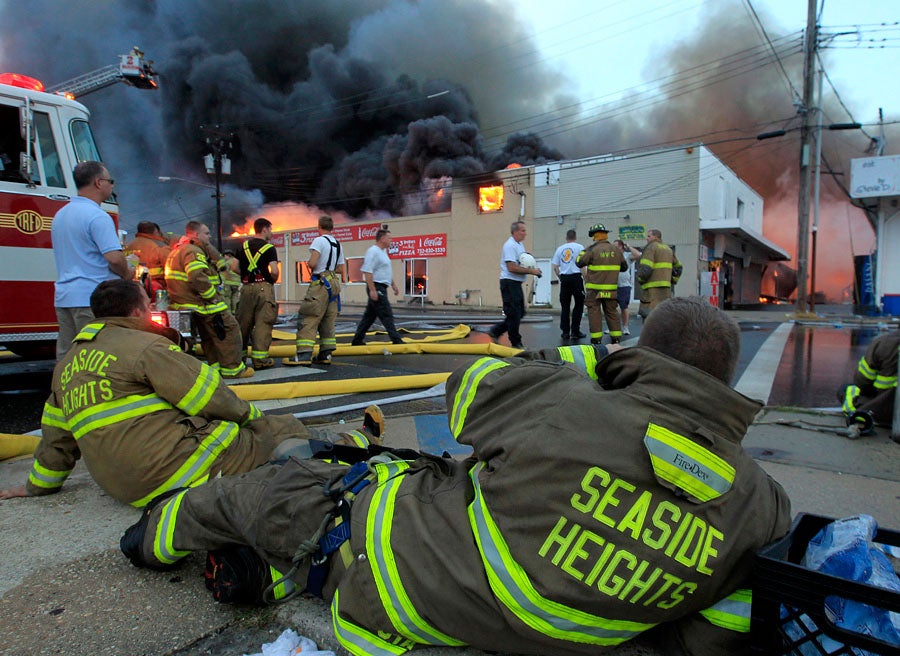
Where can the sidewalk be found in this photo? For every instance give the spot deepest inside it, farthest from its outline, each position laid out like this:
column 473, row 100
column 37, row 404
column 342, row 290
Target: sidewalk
column 66, row 588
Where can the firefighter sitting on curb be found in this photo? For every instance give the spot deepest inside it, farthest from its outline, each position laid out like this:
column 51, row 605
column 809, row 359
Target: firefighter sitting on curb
column 190, row 275
column 319, row 310
column 149, row 418
column 871, row 397
column 641, row 509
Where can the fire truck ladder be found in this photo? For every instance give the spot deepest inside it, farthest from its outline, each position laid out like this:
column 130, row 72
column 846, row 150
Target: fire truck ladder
column 132, row 69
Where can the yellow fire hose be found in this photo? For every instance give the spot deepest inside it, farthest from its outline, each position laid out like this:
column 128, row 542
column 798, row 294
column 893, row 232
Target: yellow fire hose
column 12, row 446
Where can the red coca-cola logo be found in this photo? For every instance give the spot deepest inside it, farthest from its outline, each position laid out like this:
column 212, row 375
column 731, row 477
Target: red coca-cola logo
column 437, row 240
column 368, row 233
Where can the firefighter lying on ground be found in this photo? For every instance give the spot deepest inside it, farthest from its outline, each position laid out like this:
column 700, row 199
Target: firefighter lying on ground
column 147, row 417
column 606, row 494
column 871, row 397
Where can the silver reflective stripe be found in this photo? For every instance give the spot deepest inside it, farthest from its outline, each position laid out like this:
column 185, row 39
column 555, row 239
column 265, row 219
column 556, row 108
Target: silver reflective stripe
column 163, row 550
column 582, row 357
column 105, row 414
column 691, row 468
column 732, row 612
column 357, row 640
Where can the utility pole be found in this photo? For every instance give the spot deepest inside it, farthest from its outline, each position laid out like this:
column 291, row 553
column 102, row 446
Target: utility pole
column 809, row 56
column 217, row 163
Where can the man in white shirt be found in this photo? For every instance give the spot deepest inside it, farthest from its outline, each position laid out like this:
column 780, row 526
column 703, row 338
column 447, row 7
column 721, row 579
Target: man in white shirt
column 87, row 251
column 571, row 286
column 626, row 281
column 512, row 274
column 378, row 275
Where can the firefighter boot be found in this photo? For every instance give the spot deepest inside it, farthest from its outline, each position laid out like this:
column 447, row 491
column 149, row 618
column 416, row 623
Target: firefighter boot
column 132, row 542
column 302, row 358
column 265, row 363
column 237, row 575
column 322, row 358
column 373, row 422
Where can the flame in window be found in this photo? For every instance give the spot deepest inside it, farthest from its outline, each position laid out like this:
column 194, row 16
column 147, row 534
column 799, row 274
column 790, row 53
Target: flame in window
column 490, row 199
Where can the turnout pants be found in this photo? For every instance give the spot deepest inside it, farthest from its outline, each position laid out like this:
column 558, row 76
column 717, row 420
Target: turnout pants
column 224, row 353
column 652, row 297
column 571, row 288
column 256, row 314
column 272, row 509
column 317, row 317
column 598, row 308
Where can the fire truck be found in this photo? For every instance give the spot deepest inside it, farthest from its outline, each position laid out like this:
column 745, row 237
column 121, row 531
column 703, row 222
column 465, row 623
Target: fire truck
column 43, row 135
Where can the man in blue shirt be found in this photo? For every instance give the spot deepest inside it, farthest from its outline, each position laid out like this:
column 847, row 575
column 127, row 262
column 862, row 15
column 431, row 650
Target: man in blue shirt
column 86, row 249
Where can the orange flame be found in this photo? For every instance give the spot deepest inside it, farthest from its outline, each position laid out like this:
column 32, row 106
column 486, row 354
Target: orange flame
column 514, row 165
column 490, row 199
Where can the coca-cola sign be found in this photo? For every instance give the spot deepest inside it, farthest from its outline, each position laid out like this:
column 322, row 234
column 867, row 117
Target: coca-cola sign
column 418, row 246
column 345, row 232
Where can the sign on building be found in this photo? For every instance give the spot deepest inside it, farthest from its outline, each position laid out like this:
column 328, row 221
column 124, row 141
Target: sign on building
column 418, row 246
column 632, row 233
column 871, row 177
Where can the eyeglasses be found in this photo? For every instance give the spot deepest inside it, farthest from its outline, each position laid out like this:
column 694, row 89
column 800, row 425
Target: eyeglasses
column 109, row 180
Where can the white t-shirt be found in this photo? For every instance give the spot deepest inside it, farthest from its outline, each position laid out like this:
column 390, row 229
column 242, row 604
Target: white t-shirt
column 565, row 256
column 626, row 278
column 378, row 264
column 323, row 246
column 510, row 253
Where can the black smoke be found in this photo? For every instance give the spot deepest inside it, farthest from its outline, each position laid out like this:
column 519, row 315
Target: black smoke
column 350, row 105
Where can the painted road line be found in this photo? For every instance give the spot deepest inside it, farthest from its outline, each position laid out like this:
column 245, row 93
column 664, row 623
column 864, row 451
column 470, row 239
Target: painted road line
column 759, row 376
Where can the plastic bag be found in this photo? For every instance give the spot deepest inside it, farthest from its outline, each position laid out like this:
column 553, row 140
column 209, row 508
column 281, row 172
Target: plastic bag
column 289, row 644
column 845, row 548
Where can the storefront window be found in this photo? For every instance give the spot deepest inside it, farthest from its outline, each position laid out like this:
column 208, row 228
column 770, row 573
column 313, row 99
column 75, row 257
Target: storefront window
column 354, row 269
column 415, row 277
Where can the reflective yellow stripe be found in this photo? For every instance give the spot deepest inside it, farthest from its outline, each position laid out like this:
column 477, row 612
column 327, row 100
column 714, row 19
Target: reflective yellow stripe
column 604, row 287
column 603, row 267
column 54, row 417
column 732, row 613
column 513, row 588
column 305, row 344
column 583, row 357
column 106, row 414
column 467, row 388
column 686, row 464
column 657, row 283
column 47, row 479
column 198, row 464
column 205, row 310
column 866, row 370
column 156, row 271
column 358, row 438
column 205, row 385
column 359, row 641
column 253, row 260
column 163, row 550
column 399, row 608
column 255, row 413
column 89, row 332
column 850, row 394
column 196, row 265
column 885, row 382
column 284, row 588
column 258, row 355
column 172, row 274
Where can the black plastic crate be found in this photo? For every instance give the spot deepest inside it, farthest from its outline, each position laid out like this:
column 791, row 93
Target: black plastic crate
column 779, row 580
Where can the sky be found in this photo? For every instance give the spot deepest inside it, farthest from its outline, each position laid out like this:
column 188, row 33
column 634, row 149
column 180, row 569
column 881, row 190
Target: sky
column 604, row 62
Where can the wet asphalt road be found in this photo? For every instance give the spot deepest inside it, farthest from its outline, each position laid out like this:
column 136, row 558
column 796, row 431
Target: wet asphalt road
column 815, row 361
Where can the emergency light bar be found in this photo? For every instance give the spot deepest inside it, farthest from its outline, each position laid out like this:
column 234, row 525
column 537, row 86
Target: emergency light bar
column 21, row 81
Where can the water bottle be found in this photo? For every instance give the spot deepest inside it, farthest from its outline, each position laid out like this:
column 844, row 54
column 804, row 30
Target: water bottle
column 845, row 548
column 162, row 299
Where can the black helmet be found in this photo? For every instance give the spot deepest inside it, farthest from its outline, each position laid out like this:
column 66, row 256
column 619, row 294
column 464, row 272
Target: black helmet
column 597, row 227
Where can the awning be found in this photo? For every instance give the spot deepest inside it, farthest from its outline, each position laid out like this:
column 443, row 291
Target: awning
column 733, row 228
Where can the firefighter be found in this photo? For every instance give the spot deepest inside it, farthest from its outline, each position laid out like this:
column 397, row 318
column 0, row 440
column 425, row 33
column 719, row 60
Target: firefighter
column 658, row 270
column 231, row 281
column 152, row 249
column 874, row 387
column 147, row 417
column 191, row 278
column 643, row 509
column 602, row 262
column 319, row 310
column 257, row 310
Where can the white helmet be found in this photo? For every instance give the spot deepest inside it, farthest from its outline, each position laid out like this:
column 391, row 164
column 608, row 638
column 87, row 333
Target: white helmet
column 527, row 260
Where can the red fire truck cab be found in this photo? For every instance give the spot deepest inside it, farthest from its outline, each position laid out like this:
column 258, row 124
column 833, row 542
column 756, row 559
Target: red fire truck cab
column 42, row 137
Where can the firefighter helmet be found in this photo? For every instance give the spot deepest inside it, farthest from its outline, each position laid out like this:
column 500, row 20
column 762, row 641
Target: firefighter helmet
column 597, row 227
column 527, row 260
